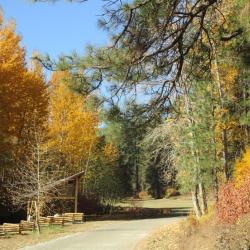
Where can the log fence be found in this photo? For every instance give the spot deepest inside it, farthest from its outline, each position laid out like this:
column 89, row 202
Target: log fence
column 25, row 226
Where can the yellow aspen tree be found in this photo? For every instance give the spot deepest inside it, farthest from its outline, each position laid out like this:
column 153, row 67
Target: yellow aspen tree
column 23, row 93
column 12, row 71
column 73, row 127
column 34, row 111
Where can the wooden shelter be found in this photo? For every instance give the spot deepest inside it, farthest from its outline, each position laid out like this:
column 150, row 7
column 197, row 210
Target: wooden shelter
column 75, row 178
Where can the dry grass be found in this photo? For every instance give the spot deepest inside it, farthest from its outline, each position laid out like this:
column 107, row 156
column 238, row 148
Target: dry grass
column 164, row 238
column 13, row 242
column 180, row 236
column 207, row 234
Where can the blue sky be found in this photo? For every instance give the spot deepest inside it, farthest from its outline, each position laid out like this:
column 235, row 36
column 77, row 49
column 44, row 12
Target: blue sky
column 56, row 28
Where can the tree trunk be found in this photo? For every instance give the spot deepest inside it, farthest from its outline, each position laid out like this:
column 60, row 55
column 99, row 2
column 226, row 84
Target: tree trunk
column 203, row 198
column 37, row 215
column 215, row 185
column 225, row 154
column 195, row 200
column 245, row 98
column 213, row 163
column 216, row 76
column 137, row 185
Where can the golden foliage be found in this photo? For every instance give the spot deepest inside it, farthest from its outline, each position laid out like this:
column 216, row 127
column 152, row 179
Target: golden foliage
column 23, row 92
column 73, row 127
column 110, row 152
column 242, row 167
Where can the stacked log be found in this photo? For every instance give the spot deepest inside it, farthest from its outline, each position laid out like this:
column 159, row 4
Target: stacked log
column 11, row 228
column 26, row 226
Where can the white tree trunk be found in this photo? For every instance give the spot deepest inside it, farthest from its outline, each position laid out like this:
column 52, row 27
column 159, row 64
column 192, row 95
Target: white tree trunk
column 195, row 200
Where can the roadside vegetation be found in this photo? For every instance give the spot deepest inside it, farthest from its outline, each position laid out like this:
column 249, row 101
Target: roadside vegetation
column 207, row 234
column 225, row 226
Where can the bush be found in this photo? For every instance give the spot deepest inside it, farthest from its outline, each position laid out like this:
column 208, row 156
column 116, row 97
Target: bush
column 209, row 216
column 89, row 204
column 143, row 195
column 234, row 197
column 234, row 201
column 170, row 192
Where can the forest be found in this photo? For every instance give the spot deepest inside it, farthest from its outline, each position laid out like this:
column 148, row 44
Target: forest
column 162, row 109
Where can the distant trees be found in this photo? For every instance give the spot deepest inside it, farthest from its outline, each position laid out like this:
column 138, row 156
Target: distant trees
column 160, row 171
column 122, row 129
column 102, row 181
column 126, row 128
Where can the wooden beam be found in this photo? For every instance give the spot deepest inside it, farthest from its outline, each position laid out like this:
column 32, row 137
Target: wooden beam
column 72, row 177
column 61, row 197
column 76, row 193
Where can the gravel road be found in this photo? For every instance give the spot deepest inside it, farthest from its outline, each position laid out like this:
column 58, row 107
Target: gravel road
column 121, row 236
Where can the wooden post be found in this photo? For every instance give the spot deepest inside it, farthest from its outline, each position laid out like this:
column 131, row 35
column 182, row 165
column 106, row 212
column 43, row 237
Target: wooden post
column 28, row 211
column 76, row 193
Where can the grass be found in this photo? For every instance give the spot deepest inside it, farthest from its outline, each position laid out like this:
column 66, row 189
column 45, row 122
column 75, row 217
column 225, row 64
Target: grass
column 52, row 229
column 179, row 205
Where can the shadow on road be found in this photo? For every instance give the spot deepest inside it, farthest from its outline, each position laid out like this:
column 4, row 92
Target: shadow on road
column 129, row 213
